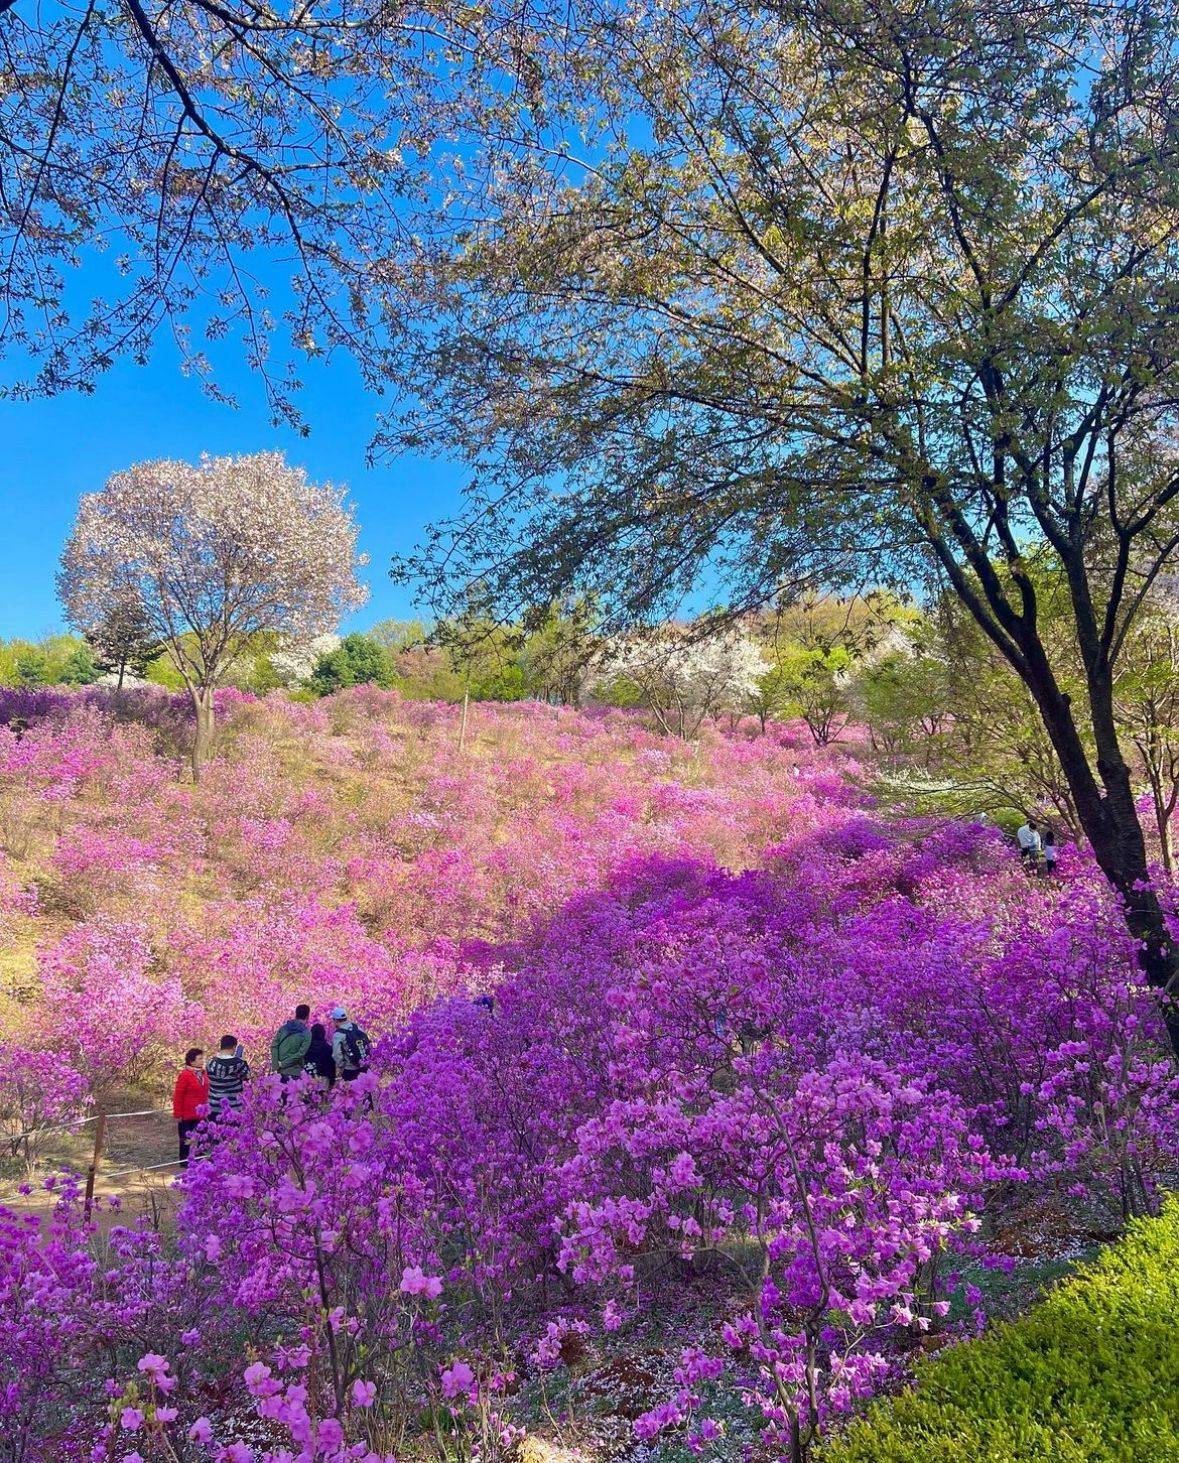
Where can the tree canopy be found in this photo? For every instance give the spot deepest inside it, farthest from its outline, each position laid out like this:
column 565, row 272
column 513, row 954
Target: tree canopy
column 215, row 556
column 221, row 168
column 826, row 291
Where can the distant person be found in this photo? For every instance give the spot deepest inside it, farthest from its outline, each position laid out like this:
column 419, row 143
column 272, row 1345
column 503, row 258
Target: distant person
column 319, row 1062
column 228, row 1074
column 288, row 1049
column 350, row 1046
column 190, row 1098
column 1050, row 851
column 485, row 1003
column 1028, row 837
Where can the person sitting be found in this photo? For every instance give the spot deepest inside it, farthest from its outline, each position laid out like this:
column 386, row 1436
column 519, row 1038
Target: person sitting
column 319, row 1062
column 350, row 1046
column 190, row 1099
column 288, row 1049
column 228, row 1074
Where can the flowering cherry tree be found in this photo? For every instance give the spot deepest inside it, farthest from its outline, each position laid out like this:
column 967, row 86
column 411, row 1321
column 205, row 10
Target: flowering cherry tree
column 683, row 678
column 217, row 554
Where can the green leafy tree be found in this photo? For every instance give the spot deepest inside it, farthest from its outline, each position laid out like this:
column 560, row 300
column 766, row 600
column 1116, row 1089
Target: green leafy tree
column 559, row 647
column 425, row 673
column 399, row 635
column 770, row 700
column 31, row 668
column 814, row 685
column 834, row 290
column 483, row 651
column 357, row 661
column 905, row 693
column 1147, row 702
column 79, row 668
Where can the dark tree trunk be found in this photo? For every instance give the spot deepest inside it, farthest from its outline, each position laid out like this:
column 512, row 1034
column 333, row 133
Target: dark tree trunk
column 1109, row 820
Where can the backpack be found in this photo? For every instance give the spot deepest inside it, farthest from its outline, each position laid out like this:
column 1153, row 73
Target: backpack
column 357, row 1048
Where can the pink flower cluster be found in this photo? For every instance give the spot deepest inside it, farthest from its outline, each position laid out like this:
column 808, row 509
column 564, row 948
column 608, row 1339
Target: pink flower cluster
column 814, row 1084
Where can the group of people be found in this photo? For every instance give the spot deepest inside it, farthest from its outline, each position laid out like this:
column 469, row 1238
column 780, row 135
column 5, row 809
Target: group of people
column 1037, row 849
column 299, row 1048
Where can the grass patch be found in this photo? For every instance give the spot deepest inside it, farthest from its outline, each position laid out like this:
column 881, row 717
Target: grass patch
column 1089, row 1375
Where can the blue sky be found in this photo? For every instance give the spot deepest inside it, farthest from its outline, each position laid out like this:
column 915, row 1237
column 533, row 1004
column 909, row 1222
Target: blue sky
column 55, row 450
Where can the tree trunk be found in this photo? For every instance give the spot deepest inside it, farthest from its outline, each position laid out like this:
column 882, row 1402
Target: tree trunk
column 463, row 719
column 1162, row 813
column 1109, row 820
column 202, row 740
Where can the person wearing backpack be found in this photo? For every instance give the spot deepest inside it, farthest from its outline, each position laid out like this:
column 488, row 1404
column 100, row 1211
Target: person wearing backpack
column 288, row 1049
column 350, row 1046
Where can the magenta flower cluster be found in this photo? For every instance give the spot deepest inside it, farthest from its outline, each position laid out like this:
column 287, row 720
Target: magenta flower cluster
column 812, row 1086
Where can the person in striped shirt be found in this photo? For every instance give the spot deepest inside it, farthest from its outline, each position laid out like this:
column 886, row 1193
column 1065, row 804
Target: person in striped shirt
column 228, row 1073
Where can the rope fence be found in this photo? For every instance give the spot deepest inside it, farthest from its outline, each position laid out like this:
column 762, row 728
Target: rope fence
column 100, row 1121
column 147, row 1112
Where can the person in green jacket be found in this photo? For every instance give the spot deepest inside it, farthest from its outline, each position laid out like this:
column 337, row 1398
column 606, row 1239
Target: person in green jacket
column 288, row 1049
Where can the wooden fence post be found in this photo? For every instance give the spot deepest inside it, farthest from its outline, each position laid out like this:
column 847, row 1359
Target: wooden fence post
column 95, row 1160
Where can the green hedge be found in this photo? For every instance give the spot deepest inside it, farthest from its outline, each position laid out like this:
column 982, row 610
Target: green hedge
column 1089, row 1375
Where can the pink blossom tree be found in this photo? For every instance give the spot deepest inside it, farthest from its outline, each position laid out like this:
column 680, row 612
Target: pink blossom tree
column 216, row 554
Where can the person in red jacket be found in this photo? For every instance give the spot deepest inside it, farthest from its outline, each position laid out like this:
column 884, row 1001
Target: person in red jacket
column 190, row 1098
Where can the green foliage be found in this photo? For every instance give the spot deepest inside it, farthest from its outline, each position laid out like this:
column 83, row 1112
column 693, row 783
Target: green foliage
column 811, row 682
column 357, row 661
column 54, row 660
column 1090, row 1375
column 501, row 682
column 905, row 699
column 261, row 677
column 161, row 671
column 79, row 668
column 399, row 635
column 31, row 668
column 424, row 673
column 558, row 648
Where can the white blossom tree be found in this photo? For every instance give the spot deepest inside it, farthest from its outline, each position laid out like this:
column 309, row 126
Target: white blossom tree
column 682, row 677
column 297, row 659
column 217, row 553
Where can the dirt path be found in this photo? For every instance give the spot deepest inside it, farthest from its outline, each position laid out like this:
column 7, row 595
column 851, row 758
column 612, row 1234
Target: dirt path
column 137, row 1168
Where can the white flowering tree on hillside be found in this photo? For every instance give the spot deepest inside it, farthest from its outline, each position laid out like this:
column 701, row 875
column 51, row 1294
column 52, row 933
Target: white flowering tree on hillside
column 294, row 663
column 683, row 677
column 216, row 554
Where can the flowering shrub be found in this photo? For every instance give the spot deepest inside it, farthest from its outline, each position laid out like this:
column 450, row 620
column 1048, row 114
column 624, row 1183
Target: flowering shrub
column 1091, row 1372
column 102, row 1007
column 39, row 1091
column 741, row 1032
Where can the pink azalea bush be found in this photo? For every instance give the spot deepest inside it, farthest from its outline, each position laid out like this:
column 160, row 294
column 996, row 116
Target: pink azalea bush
column 748, row 1041
column 40, row 1090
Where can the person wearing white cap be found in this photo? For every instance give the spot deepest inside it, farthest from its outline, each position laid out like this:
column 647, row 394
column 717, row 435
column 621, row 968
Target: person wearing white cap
column 350, row 1046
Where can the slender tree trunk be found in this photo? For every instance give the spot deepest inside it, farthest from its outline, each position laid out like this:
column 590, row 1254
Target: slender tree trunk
column 202, row 698
column 1162, row 813
column 463, row 719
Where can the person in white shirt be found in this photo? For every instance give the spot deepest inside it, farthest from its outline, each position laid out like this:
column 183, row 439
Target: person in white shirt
column 1028, row 838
